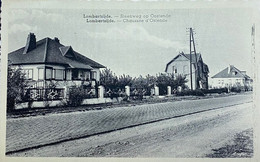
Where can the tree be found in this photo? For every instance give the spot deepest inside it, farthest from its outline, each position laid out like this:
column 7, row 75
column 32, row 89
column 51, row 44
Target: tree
column 139, row 82
column 180, row 81
column 150, row 81
column 164, row 80
column 144, row 83
column 124, row 80
column 108, row 79
column 16, row 84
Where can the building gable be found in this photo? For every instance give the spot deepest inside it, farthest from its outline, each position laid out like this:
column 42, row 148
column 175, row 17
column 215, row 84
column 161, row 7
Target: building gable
column 183, row 57
column 179, row 57
column 67, row 51
column 230, row 72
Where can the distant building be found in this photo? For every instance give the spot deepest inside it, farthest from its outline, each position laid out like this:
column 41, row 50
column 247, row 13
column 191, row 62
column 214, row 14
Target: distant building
column 230, row 77
column 48, row 60
column 180, row 65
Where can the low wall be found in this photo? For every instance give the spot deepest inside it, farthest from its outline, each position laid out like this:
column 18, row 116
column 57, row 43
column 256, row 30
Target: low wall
column 94, row 101
column 40, row 104
column 59, row 103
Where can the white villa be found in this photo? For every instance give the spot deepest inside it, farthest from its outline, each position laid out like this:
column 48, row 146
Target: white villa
column 230, row 77
column 48, row 60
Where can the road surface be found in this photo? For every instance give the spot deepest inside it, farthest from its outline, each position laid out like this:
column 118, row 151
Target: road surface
column 182, row 129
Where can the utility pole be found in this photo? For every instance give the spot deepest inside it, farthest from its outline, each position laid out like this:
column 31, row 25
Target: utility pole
column 190, row 62
column 253, row 41
column 193, row 50
column 253, row 46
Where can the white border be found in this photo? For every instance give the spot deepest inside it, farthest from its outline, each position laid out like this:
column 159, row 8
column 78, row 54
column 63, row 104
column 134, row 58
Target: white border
column 121, row 4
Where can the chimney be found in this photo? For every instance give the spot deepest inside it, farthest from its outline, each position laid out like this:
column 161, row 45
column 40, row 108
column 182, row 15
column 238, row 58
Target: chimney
column 229, row 67
column 56, row 40
column 30, row 44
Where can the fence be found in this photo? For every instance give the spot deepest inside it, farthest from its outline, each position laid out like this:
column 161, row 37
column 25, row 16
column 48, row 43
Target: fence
column 85, row 92
column 43, row 94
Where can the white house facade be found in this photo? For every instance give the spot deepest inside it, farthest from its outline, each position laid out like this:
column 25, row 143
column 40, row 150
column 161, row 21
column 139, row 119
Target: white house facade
column 180, row 65
column 231, row 77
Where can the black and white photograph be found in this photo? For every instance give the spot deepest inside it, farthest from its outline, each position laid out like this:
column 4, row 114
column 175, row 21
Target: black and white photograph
column 129, row 82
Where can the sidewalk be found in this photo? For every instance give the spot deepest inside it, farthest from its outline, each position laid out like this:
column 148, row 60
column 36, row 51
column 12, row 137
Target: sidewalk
column 146, row 100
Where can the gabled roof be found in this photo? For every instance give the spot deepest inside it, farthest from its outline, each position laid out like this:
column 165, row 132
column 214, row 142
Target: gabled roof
column 49, row 51
column 231, row 72
column 193, row 58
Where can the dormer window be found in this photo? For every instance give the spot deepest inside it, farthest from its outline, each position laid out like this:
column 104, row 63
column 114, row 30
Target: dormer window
column 234, row 73
column 67, row 51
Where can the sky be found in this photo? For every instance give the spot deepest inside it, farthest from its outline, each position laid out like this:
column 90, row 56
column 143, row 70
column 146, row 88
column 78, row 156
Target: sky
column 223, row 36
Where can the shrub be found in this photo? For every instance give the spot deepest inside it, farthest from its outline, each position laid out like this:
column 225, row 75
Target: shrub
column 235, row 89
column 215, row 90
column 137, row 94
column 77, row 95
column 165, row 80
column 196, row 92
column 16, row 85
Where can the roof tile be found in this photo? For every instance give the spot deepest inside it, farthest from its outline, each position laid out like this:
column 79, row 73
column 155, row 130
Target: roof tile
column 50, row 51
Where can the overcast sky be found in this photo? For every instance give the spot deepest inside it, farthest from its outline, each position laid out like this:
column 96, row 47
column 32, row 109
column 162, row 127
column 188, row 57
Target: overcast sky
column 223, row 36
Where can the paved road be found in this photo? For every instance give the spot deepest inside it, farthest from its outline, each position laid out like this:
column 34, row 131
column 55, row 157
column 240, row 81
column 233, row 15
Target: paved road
column 187, row 136
column 29, row 132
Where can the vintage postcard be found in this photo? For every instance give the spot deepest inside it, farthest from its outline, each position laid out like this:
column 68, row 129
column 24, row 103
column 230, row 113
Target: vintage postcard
column 129, row 80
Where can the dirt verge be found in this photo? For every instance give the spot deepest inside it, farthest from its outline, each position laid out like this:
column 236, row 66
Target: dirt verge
column 240, row 147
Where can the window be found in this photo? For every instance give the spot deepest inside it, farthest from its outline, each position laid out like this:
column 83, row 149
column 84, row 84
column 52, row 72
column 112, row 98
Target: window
column 75, row 74
column 48, row 73
column 59, row 74
column 94, row 75
column 87, row 75
column 68, row 74
column 174, row 69
column 41, row 74
column 28, row 73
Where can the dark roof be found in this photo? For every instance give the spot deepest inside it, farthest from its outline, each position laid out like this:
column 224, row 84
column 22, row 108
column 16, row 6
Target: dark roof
column 49, row 51
column 193, row 58
column 231, row 72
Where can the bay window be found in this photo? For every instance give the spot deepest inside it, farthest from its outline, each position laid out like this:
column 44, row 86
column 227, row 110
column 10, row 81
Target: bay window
column 41, row 74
